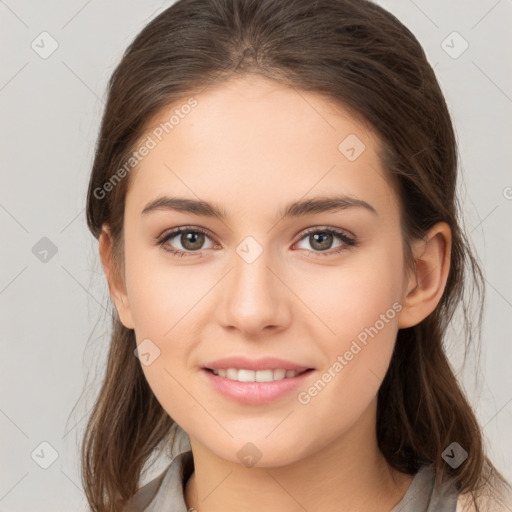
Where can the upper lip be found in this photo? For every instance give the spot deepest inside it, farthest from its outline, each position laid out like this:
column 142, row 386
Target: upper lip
column 263, row 363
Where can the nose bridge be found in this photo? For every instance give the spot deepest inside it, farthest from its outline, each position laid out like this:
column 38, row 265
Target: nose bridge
column 253, row 297
column 251, row 268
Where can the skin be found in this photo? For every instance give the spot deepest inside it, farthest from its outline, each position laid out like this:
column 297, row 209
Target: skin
column 252, row 146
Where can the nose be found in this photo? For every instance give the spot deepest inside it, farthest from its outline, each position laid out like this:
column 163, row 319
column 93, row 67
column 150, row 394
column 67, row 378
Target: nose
column 254, row 297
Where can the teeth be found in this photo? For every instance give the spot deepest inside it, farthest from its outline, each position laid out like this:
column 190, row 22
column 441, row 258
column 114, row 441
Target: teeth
column 243, row 375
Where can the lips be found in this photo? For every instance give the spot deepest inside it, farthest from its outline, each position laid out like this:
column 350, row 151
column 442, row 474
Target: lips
column 236, row 378
column 256, row 393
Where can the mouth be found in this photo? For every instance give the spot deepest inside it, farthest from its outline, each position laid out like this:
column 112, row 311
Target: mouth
column 255, row 387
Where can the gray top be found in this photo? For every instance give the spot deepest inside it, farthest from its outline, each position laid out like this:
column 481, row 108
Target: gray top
column 166, row 492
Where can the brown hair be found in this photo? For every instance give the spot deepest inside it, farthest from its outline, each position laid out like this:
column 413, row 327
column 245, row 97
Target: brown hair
column 359, row 55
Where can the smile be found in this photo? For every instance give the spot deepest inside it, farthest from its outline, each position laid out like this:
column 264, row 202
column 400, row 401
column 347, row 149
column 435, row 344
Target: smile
column 243, row 375
column 255, row 387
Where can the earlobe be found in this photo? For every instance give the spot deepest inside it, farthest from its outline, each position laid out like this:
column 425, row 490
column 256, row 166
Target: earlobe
column 115, row 282
column 426, row 284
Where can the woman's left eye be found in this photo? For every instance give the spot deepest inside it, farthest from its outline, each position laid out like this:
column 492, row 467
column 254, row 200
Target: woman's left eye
column 192, row 240
column 321, row 239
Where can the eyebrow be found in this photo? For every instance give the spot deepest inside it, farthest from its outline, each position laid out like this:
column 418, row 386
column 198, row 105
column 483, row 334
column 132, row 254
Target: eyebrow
column 295, row 209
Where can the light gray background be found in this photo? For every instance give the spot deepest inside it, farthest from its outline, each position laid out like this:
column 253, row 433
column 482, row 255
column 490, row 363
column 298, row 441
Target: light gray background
column 54, row 329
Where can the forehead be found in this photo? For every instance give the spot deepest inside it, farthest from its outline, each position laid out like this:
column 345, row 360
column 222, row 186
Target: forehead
column 252, row 143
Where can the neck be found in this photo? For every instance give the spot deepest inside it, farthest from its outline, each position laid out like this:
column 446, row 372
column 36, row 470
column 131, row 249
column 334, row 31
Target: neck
column 349, row 473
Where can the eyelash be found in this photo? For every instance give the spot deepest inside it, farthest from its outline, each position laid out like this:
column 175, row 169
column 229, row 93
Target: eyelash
column 347, row 241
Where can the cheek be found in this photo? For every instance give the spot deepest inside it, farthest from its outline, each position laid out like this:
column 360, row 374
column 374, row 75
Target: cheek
column 351, row 296
column 164, row 302
column 357, row 360
column 161, row 293
column 358, row 304
column 167, row 321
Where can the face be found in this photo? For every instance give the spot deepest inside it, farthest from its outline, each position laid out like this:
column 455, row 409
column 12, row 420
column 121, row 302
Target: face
column 319, row 288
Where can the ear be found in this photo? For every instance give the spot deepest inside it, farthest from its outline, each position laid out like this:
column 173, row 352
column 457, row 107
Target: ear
column 425, row 286
column 115, row 281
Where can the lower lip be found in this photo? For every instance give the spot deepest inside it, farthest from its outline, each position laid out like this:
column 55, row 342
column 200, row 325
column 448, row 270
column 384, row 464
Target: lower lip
column 255, row 393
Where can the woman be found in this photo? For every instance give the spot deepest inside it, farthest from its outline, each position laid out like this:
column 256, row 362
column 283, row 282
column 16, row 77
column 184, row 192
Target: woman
column 273, row 193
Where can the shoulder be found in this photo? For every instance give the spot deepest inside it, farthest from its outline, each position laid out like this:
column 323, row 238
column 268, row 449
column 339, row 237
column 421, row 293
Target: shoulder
column 167, row 488
column 466, row 503
column 141, row 499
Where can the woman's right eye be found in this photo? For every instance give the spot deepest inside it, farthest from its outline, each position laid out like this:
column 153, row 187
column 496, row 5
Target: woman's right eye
column 190, row 239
